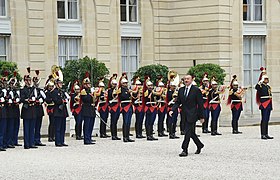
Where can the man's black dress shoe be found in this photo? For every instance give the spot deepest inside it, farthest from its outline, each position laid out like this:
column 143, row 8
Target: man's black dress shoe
column 198, row 151
column 91, row 143
column 33, row 147
column 64, row 145
column 10, row 146
column 183, row 154
column 40, row 144
column 115, row 138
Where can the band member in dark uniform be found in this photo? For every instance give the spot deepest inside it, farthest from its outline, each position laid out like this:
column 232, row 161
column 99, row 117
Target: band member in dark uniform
column 161, row 103
column 101, row 96
column 76, row 107
column 3, row 108
column 190, row 98
column 264, row 99
column 50, row 108
column 28, row 111
column 214, row 106
column 13, row 113
column 126, row 109
column 235, row 100
column 88, row 110
column 205, row 87
column 150, row 108
column 114, row 106
column 60, row 99
column 40, row 97
column 137, row 90
column 172, row 95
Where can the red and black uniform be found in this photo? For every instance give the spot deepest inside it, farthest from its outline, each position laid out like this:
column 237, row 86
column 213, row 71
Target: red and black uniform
column 3, row 117
column 103, row 111
column 172, row 120
column 114, row 109
column 206, row 111
column 50, row 108
column 139, row 113
column 162, row 109
column 127, row 110
column 236, row 109
column 265, row 105
column 76, row 109
column 150, row 109
column 215, row 109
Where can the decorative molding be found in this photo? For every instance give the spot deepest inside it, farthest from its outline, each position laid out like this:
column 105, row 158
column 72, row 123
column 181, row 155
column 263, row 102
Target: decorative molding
column 131, row 30
column 257, row 29
column 69, row 29
column 5, row 26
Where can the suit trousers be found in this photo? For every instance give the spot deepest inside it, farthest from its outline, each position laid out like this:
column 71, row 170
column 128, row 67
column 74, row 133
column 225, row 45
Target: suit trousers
column 190, row 133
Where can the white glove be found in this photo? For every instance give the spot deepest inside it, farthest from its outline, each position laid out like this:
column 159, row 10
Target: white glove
column 41, row 100
column 2, row 99
column 10, row 101
column 33, row 99
column 17, row 100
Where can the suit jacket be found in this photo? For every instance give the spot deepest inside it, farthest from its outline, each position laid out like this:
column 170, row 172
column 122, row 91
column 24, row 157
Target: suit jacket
column 192, row 105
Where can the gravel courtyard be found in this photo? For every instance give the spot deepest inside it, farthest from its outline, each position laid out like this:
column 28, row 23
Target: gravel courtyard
column 225, row 157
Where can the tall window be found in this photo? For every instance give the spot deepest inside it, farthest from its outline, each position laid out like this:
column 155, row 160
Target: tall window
column 3, row 8
column 68, row 49
column 4, row 48
column 68, row 9
column 130, row 56
column 253, row 10
column 129, row 11
column 253, row 59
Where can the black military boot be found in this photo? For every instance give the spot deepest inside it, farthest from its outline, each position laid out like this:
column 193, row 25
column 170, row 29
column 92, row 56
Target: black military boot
column 128, row 132
column 125, row 135
column 266, row 131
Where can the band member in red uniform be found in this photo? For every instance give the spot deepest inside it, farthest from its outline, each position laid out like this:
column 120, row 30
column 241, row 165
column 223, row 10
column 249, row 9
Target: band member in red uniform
column 137, row 90
column 264, row 99
column 150, row 108
column 235, row 100
column 114, row 106
column 214, row 106
column 102, row 103
column 76, row 109
column 160, row 93
column 205, row 87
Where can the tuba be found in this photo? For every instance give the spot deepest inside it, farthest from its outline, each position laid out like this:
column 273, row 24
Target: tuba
column 173, row 76
column 56, row 72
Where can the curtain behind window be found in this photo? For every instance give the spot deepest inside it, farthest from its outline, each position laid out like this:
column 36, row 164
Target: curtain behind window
column 62, row 52
column 72, row 9
column 2, row 8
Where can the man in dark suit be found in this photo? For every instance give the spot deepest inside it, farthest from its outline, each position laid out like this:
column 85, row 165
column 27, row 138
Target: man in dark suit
column 190, row 98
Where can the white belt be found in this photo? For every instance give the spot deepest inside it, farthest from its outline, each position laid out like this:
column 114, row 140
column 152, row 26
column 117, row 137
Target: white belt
column 101, row 102
column 236, row 101
column 214, row 102
column 137, row 102
column 127, row 101
column 205, row 98
column 151, row 103
column 266, row 97
column 161, row 101
column 114, row 100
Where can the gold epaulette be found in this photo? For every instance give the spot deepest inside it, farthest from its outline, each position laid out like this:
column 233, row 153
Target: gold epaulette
column 146, row 93
column 230, row 92
column 83, row 92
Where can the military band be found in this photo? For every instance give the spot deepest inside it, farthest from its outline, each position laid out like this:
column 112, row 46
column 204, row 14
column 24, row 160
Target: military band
column 147, row 101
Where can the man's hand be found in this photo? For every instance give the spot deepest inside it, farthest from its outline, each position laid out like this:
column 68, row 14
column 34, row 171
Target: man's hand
column 170, row 113
column 202, row 120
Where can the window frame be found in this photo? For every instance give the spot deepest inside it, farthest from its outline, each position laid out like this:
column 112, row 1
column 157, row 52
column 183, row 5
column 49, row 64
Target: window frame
column 7, row 45
column 128, row 55
column 252, row 11
column 67, row 56
column 6, row 10
column 127, row 13
column 67, row 13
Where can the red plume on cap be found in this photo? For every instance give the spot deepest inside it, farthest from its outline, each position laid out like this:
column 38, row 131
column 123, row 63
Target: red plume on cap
column 28, row 70
column 37, row 72
column 263, row 71
column 15, row 73
column 87, row 74
column 159, row 77
column 229, row 97
column 6, row 73
column 147, row 77
column 110, row 80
